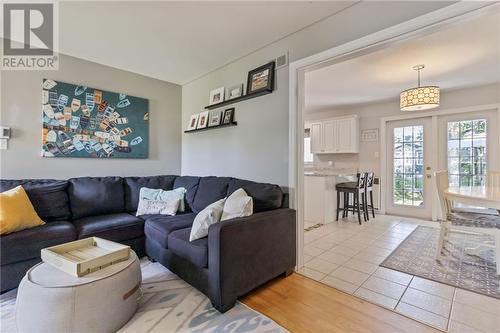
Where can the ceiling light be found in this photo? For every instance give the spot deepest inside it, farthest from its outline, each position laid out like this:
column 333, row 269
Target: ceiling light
column 419, row 98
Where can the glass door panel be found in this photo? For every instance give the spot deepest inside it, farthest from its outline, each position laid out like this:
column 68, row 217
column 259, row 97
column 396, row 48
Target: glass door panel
column 467, row 153
column 407, row 168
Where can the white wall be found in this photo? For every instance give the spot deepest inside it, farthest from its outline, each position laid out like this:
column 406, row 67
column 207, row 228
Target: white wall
column 21, row 110
column 371, row 114
column 257, row 148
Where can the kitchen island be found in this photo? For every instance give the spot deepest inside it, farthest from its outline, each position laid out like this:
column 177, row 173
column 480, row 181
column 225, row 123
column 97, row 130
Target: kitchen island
column 320, row 196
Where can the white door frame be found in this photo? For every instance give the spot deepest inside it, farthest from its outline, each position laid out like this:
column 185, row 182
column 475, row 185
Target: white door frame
column 410, row 29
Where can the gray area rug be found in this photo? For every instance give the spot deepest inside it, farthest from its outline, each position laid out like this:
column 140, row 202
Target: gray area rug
column 416, row 256
column 170, row 305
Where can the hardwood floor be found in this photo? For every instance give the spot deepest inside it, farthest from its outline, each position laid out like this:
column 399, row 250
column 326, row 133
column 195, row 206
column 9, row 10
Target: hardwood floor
column 300, row 304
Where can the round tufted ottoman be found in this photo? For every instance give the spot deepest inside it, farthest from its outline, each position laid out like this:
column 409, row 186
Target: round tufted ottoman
column 50, row 300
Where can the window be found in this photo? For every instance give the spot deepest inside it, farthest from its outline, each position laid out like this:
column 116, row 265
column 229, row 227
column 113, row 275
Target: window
column 308, row 156
column 467, row 152
column 408, row 165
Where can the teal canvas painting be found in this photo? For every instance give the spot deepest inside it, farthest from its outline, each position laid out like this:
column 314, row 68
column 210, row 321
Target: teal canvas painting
column 80, row 121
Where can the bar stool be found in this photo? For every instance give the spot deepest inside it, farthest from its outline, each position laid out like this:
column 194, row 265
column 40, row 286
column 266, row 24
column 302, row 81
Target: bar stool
column 358, row 189
column 369, row 190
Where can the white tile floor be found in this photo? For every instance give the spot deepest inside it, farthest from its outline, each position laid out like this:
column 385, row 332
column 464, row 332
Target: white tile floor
column 346, row 255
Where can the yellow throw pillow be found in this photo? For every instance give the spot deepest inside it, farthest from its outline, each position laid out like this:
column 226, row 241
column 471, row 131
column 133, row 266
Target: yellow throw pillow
column 17, row 212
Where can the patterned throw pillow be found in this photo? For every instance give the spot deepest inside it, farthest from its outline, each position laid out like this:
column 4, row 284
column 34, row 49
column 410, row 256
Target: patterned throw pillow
column 157, row 201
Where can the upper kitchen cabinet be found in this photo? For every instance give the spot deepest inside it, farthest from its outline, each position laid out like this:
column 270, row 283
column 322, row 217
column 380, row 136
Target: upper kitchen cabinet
column 335, row 136
column 316, row 137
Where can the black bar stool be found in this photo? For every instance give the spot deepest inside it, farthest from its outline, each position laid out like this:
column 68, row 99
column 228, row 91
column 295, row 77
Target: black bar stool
column 369, row 190
column 358, row 189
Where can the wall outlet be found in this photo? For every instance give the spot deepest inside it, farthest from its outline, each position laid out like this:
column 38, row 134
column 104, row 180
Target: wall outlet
column 4, row 144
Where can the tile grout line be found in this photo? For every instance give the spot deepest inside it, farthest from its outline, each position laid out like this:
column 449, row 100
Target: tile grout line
column 451, row 308
column 404, row 292
column 375, row 292
column 326, row 274
column 472, row 306
column 428, row 293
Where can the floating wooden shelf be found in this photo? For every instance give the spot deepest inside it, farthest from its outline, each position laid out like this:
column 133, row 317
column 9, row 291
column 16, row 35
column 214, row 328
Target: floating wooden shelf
column 234, row 123
column 238, row 99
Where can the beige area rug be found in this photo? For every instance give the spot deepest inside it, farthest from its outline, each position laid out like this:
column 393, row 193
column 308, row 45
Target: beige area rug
column 416, row 256
column 170, row 305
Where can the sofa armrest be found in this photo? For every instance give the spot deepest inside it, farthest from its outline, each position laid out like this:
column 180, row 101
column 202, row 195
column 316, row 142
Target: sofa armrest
column 249, row 251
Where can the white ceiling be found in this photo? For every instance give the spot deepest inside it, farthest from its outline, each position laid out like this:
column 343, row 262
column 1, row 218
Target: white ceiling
column 464, row 55
column 179, row 41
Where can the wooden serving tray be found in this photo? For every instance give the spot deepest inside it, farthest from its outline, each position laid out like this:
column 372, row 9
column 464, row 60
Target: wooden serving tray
column 85, row 256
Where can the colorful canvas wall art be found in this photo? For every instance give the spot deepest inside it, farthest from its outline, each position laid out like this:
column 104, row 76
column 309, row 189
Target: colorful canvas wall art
column 80, row 121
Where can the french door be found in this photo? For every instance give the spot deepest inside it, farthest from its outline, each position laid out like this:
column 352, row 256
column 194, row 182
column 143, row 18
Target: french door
column 464, row 144
column 468, row 147
column 410, row 145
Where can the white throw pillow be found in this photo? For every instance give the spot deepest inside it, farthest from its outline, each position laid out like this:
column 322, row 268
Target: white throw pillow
column 204, row 219
column 158, row 201
column 238, row 204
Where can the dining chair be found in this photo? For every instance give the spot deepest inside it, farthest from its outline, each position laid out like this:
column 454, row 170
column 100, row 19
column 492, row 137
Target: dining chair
column 369, row 193
column 461, row 221
column 493, row 178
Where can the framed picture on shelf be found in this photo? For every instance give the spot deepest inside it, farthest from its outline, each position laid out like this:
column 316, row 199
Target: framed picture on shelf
column 203, row 121
column 216, row 96
column 261, row 79
column 193, row 122
column 235, row 91
column 228, row 116
column 215, row 118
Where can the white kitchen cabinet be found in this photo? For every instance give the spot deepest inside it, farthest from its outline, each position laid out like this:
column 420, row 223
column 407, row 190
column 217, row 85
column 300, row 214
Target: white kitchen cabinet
column 320, row 199
column 335, row 135
column 347, row 136
column 329, row 139
column 316, row 138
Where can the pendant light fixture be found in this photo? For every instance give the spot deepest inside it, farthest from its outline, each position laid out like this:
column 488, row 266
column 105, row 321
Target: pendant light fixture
column 419, row 98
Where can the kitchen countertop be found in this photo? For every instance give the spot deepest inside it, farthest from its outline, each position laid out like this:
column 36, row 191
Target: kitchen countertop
column 342, row 176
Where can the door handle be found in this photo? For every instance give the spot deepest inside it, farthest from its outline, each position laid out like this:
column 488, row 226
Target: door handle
column 428, row 176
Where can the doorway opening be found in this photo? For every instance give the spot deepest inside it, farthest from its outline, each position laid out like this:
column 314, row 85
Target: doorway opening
column 347, row 121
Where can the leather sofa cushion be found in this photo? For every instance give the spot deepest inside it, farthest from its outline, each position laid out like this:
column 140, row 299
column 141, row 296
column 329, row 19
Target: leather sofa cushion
column 190, row 183
column 91, row 196
column 49, row 197
column 133, row 186
column 196, row 251
column 7, row 184
column 210, row 189
column 26, row 244
column 265, row 196
column 158, row 227
column 114, row 227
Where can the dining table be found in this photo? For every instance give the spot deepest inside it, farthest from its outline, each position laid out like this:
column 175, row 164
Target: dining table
column 487, row 197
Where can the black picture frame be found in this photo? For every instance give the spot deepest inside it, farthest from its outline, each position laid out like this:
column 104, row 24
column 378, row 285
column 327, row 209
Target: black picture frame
column 270, row 78
column 229, row 120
